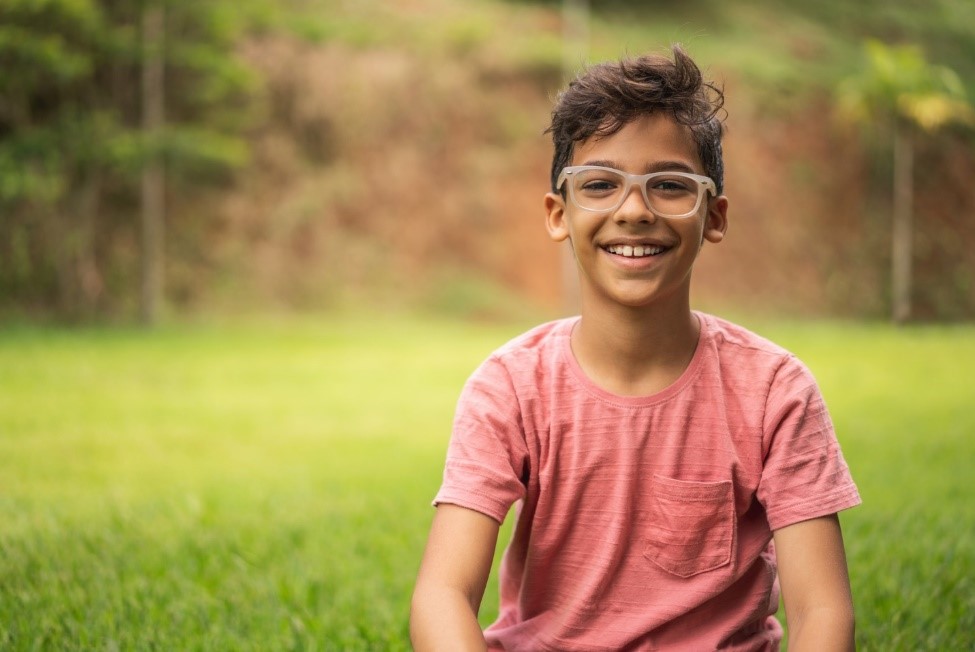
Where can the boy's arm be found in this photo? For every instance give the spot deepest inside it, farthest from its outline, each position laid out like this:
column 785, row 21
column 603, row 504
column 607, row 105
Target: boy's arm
column 450, row 585
column 815, row 585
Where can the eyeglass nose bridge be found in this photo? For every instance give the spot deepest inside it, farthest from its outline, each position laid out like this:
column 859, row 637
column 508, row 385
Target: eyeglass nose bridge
column 641, row 183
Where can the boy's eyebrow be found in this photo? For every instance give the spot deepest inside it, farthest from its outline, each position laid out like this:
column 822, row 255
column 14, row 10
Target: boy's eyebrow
column 603, row 164
column 656, row 166
column 671, row 166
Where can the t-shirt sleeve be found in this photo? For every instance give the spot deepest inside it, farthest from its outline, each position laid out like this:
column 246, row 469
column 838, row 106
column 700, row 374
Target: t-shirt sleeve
column 804, row 475
column 487, row 458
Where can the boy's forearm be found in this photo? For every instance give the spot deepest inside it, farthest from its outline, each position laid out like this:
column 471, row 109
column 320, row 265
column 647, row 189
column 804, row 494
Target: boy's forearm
column 450, row 584
column 815, row 585
column 443, row 619
column 823, row 630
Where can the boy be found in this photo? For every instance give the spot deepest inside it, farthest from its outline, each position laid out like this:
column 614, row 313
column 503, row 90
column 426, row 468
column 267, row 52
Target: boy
column 669, row 468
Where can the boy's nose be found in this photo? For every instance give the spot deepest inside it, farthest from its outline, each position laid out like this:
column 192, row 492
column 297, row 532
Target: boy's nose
column 634, row 208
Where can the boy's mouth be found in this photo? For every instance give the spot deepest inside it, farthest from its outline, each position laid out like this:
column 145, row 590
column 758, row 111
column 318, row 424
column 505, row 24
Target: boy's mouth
column 637, row 251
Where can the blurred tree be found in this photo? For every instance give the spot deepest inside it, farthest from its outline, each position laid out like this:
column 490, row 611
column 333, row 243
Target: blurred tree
column 153, row 180
column 76, row 133
column 900, row 91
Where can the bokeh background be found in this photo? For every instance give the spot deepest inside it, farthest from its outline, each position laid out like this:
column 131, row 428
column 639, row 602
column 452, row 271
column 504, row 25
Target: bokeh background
column 251, row 249
column 161, row 159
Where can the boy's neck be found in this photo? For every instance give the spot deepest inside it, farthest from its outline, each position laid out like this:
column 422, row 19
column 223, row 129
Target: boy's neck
column 635, row 352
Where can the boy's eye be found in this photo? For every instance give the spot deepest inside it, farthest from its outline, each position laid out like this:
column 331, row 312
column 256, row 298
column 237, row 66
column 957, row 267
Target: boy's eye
column 670, row 185
column 599, row 185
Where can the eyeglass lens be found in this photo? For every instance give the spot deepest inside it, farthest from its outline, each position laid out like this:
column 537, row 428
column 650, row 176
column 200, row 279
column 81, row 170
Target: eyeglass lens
column 669, row 195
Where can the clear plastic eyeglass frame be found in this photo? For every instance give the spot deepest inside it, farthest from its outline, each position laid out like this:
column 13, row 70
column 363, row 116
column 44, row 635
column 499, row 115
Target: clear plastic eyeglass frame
column 704, row 184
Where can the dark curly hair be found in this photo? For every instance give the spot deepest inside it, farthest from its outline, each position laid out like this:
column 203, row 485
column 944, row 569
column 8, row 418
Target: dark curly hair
column 606, row 97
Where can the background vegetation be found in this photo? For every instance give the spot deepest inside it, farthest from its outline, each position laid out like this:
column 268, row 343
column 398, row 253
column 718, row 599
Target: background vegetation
column 321, row 153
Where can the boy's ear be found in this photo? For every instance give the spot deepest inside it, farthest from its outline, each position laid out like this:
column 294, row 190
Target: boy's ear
column 716, row 221
column 555, row 217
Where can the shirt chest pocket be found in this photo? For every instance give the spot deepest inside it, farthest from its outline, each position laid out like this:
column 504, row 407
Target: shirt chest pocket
column 692, row 525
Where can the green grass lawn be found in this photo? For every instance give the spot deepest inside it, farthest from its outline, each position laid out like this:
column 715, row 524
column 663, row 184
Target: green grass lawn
column 266, row 486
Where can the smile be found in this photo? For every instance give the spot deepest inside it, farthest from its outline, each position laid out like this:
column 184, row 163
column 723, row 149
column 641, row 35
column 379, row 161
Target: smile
column 635, row 252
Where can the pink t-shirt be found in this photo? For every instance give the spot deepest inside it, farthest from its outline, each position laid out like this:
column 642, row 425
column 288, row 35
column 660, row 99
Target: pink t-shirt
column 643, row 523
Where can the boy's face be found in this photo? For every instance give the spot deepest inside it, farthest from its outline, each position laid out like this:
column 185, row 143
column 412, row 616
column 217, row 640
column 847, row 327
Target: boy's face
column 651, row 143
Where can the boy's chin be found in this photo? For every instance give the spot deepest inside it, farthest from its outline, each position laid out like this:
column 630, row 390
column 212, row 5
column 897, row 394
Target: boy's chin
column 641, row 297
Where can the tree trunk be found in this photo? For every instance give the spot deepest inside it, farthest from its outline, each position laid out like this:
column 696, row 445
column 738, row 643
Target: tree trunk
column 90, row 282
column 153, row 179
column 79, row 283
column 902, row 233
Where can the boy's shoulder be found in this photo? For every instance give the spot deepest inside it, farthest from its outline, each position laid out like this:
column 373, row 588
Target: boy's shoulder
column 732, row 335
column 531, row 352
column 537, row 341
column 743, row 352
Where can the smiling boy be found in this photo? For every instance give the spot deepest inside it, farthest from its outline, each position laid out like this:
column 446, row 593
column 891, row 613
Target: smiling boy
column 670, row 470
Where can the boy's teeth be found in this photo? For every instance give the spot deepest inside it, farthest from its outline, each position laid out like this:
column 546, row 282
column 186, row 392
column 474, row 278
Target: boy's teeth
column 633, row 252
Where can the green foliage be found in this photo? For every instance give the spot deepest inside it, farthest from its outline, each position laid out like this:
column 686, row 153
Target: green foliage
column 72, row 148
column 71, row 144
column 266, row 486
column 785, row 51
column 898, row 82
column 945, row 29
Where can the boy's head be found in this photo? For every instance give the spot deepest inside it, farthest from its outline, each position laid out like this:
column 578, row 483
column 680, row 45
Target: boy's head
column 607, row 96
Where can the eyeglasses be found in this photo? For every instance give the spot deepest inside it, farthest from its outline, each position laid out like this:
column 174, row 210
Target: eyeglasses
column 667, row 194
